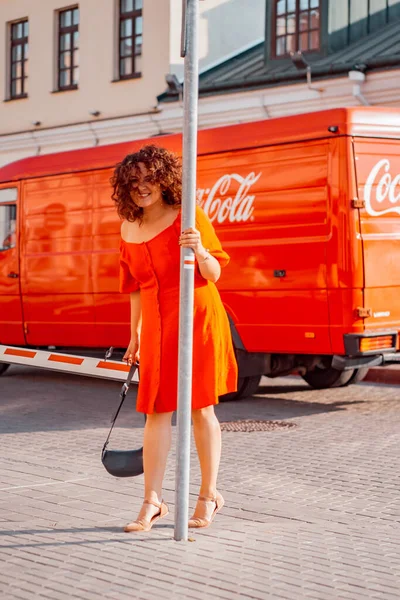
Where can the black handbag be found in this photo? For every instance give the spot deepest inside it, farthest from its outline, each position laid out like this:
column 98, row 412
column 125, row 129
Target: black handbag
column 122, row 463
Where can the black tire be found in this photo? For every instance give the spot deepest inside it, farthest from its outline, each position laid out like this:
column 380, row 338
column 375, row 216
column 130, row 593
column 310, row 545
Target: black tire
column 325, row 376
column 358, row 375
column 247, row 386
column 3, row 368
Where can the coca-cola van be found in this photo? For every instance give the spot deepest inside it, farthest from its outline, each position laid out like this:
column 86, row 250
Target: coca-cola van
column 307, row 206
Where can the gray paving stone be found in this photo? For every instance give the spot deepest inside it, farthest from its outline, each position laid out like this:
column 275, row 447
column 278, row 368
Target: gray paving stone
column 311, row 513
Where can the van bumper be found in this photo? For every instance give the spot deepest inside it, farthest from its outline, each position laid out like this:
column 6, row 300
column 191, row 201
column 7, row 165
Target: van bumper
column 345, row 363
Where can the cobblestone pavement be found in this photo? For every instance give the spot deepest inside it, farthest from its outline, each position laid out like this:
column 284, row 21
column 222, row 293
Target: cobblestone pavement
column 312, row 511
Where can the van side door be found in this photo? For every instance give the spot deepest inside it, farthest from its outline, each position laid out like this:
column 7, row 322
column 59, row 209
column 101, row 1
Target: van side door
column 271, row 209
column 56, row 277
column 11, row 317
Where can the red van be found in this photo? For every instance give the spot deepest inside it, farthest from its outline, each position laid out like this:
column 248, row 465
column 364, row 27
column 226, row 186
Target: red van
column 307, row 206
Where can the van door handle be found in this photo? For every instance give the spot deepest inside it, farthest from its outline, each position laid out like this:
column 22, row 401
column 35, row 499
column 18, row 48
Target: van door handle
column 13, row 275
column 280, row 273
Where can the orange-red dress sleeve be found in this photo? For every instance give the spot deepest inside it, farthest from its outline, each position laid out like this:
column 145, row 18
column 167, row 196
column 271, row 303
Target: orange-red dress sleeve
column 209, row 237
column 127, row 283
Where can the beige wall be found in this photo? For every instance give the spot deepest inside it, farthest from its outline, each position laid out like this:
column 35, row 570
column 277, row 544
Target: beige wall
column 97, row 64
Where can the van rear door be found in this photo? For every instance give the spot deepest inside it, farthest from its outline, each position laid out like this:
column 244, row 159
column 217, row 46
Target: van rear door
column 11, row 319
column 378, row 178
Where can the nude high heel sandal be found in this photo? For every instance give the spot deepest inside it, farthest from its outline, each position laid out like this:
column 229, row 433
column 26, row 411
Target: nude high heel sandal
column 144, row 524
column 198, row 522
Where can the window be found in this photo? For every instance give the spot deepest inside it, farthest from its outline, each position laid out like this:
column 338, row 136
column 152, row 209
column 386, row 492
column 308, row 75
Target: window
column 130, row 38
column 367, row 16
column 68, row 49
column 18, row 59
column 8, row 218
column 296, row 26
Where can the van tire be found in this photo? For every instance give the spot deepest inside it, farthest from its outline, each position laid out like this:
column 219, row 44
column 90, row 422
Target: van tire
column 358, row 375
column 3, row 368
column 322, row 379
column 247, row 386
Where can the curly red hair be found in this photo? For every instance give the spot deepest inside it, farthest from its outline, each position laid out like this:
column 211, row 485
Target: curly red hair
column 164, row 168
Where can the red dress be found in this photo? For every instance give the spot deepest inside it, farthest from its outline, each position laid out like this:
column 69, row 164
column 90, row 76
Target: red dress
column 153, row 267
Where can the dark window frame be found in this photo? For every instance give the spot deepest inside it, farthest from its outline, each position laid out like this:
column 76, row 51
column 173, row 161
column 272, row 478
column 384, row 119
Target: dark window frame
column 126, row 16
column 273, row 31
column 14, row 43
column 367, row 21
column 69, row 30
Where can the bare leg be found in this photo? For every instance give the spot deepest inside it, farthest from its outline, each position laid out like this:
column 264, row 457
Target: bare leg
column 156, row 445
column 207, row 435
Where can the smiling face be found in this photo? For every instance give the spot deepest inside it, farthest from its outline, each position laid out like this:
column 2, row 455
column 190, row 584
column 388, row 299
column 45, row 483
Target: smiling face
column 144, row 191
column 147, row 181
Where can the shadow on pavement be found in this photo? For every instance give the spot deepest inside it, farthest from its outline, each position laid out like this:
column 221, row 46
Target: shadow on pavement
column 40, row 400
column 79, row 531
column 139, row 538
column 276, row 408
column 283, row 389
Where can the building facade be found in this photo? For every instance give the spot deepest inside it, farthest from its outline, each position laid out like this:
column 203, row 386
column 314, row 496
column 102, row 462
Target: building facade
column 317, row 54
column 70, row 68
column 94, row 72
column 226, row 28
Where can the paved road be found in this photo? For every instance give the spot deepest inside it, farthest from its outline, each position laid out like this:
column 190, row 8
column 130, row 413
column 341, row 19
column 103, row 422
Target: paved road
column 312, row 511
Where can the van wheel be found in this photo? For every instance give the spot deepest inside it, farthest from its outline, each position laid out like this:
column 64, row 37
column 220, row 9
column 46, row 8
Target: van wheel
column 358, row 375
column 325, row 376
column 247, row 386
column 3, row 368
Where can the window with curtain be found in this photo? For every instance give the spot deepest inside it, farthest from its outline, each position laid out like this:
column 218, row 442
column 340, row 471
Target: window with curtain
column 296, row 26
column 18, row 59
column 130, row 38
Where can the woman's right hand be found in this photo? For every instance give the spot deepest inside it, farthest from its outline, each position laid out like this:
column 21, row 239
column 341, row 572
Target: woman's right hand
column 132, row 352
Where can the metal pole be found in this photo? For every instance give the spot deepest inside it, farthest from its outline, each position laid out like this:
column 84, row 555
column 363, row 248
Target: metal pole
column 190, row 51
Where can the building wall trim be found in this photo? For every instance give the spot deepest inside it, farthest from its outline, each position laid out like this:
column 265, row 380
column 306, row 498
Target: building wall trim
column 380, row 88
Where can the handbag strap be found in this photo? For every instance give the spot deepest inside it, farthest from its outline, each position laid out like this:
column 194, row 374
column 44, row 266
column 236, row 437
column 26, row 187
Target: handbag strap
column 122, row 395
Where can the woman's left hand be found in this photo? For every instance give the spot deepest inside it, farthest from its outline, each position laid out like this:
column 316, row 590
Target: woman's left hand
column 191, row 238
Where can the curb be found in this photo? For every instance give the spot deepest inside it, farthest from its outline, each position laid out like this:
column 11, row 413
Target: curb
column 389, row 375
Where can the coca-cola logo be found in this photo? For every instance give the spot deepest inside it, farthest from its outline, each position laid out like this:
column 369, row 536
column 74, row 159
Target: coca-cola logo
column 226, row 201
column 381, row 190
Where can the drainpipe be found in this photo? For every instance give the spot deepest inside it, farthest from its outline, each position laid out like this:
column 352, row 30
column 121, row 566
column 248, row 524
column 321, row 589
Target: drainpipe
column 358, row 78
column 38, row 147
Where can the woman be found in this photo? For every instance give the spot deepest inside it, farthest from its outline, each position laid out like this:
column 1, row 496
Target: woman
column 147, row 191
